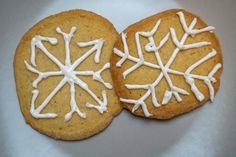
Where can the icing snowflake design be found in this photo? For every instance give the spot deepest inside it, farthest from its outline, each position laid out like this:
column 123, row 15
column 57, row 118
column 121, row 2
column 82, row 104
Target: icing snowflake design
column 70, row 75
column 151, row 47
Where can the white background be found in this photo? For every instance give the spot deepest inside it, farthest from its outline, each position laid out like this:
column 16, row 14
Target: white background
column 208, row 131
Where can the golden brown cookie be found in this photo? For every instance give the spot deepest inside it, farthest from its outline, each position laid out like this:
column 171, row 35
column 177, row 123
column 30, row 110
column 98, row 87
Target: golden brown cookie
column 62, row 75
column 166, row 65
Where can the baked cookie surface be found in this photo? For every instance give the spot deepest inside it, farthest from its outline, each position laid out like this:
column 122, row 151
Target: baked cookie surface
column 166, row 65
column 62, row 75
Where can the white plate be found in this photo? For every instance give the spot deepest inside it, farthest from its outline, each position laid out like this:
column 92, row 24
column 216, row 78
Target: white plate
column 209, row 131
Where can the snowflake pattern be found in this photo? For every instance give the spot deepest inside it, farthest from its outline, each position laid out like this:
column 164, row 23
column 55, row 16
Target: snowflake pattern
column 151, row 47
column 70, row 74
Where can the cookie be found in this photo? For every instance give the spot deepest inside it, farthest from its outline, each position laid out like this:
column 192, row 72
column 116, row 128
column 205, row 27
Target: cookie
column 62, row 75
column 166, row 65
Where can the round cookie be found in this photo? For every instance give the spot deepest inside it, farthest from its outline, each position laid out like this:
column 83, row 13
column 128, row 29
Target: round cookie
column 62, row 75
column 166, row 65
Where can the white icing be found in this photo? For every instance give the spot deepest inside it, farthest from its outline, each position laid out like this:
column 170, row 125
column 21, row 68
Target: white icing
column 67, row 39
column 213, row 71
column 207, row 79
column 37, row 42
column 126, row 50
column 32, row 108
column 211, row 89
column 195, row 90
column 193, row 31
column 41, row 75
column 208, row 56
column 137, row 104
column 69, row 73
column 36, row 111
column 73, row 105
column 97, row 75
column 151, row 65
column 167, row 97
column 139, row 48
column 165, row 69
column 134, row 59
column 154, row 99
column 187, row 46
column 103, row 105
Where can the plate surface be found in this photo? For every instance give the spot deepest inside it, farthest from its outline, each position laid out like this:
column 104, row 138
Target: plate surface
column 208, row 131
